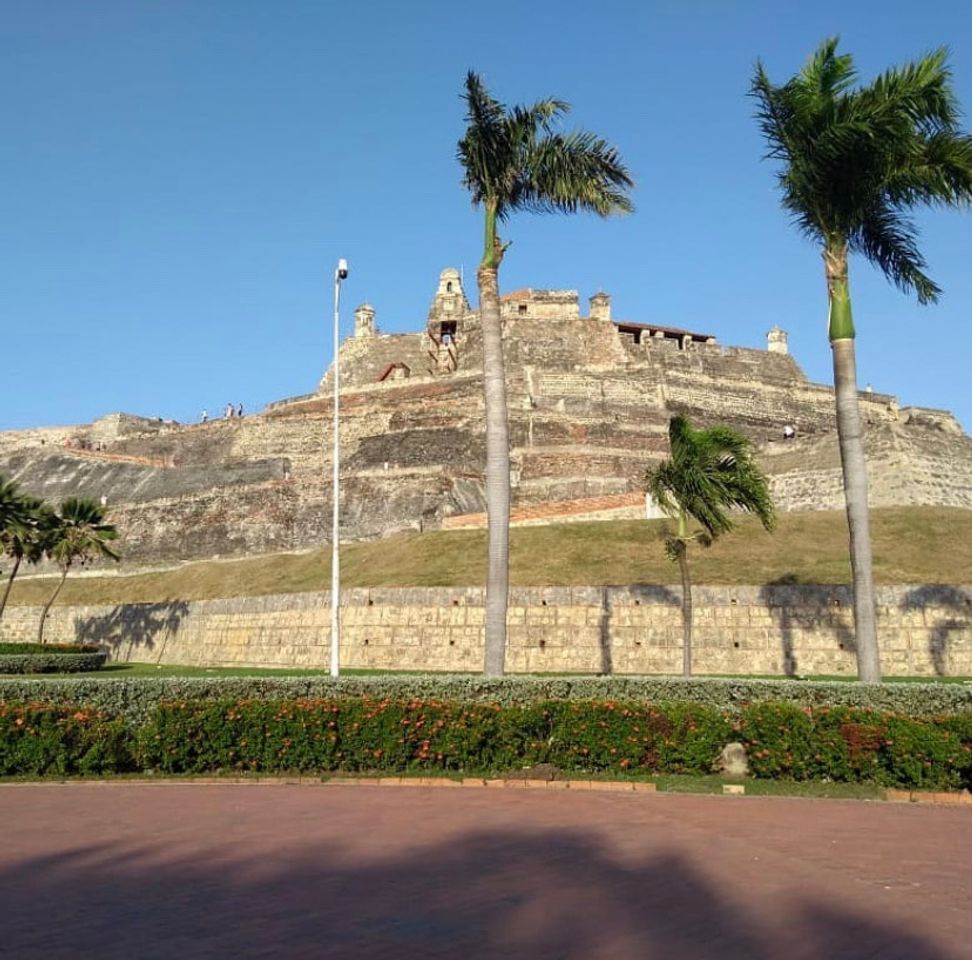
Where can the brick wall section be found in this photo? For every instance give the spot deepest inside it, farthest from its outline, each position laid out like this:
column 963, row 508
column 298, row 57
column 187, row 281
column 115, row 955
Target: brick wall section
column 924, row 630
column 615, row 507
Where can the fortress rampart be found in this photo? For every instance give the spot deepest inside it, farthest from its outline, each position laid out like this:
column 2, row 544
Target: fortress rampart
column 925, row 630
column 589, row 396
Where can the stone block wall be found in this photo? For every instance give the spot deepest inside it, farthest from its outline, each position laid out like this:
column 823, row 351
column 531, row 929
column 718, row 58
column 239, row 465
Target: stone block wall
column 923, row 630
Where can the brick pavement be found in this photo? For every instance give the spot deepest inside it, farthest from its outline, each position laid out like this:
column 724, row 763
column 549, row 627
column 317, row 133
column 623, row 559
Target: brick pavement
column 167, row 870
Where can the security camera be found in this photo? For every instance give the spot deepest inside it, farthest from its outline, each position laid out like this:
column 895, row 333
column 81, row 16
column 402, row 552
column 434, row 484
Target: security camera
column 342, row 269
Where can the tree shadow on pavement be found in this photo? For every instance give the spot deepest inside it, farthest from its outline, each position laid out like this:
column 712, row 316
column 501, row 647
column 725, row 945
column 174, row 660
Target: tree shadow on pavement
column 506, row 894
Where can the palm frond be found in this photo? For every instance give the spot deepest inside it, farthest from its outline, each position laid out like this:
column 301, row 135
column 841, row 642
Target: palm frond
column 80, row 533
column 710, row 472
column 854, row 161
column 513, row 158
column 570, row 172
column 887, row 238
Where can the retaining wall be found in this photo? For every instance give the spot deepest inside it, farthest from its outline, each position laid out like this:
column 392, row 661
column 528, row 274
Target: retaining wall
column 924, row 630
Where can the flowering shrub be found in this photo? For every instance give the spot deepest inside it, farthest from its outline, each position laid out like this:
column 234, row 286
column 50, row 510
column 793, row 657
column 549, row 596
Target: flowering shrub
column 413, row 734
column 364, row 734
column 39, row 738
column 838, row 743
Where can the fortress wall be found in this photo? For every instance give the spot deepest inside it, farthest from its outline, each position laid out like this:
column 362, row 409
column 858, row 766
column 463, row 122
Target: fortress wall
column 20, row 440
column 561, row 344
column 924, row 631
column 906, row 466
column 363, row 359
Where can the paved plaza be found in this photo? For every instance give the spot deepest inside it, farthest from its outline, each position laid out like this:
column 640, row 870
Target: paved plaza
column 169, row 870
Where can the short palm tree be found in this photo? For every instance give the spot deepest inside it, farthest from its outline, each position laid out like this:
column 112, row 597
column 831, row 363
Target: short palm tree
column 711, row 471
column 79, row 535
column 514, row 160
column 854, row 162
column 24, row 522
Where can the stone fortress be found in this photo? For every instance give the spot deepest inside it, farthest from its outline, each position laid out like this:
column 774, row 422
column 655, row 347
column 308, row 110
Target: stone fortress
column 590, row 398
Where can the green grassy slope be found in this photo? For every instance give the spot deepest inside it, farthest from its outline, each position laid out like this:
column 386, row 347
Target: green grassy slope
column 911, row 545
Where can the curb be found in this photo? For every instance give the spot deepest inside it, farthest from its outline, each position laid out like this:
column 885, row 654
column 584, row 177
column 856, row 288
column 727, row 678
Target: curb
column 924, row 797
column 928, row 796
column 615, row 786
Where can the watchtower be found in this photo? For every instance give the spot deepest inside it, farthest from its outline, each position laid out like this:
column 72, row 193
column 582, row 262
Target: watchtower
column 443, row 329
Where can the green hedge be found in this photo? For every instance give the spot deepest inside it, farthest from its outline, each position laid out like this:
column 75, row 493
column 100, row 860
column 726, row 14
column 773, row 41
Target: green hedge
column 45, row 739
column 388, row 735
column 786, row 742
column 18, row 648
column 52, row 662
column 783, row 741
column 134, row 698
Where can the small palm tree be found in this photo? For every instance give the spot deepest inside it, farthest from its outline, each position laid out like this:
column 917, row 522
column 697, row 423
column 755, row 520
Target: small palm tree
column 711, row 470
column 514, row 160
column 24, row 524
column 78, row 536
column 854, row 163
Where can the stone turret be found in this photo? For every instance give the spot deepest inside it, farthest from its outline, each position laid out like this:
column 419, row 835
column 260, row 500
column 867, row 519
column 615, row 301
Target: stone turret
column 450, row 301
column 601, row 306
column 364, row 321
column 776, row 341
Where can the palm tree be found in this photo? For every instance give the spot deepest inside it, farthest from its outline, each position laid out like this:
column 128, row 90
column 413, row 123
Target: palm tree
column 79, row 535
column 24, row 522
column 514, row 160
column 711, row 470
column 855, row 161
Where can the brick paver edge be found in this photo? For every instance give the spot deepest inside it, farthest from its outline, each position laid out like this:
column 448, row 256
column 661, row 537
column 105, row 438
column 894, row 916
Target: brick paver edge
column 957, row 798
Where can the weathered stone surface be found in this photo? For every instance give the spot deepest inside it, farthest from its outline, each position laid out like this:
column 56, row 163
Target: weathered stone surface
column 589, row 400
column 794, row 630
column 733, row 760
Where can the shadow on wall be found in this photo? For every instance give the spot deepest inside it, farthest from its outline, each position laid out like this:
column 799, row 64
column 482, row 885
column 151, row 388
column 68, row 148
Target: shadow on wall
column 556, row 894
column 786, row 600
column 643, row 593
column 133, row 625
column 955, row 618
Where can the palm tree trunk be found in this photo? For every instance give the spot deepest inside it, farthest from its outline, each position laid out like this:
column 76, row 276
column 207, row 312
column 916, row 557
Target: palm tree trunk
column 497, row 471
column 48, row 605
column 10, row 580
column 686, row 611
column 850, row 435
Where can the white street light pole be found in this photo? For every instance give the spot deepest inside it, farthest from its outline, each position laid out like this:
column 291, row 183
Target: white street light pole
column 340, row 274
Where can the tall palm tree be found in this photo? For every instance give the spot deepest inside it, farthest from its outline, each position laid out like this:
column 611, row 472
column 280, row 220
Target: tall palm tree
column 854, row 162
column 514, row 160
column 79, row 535
column 24, row 523
column 711, row 470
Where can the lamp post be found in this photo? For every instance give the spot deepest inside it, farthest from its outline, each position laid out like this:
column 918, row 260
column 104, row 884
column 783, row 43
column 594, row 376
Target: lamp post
column 340, row 274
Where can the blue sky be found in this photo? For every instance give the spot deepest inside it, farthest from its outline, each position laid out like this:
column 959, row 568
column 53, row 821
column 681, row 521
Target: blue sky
column 178, row 179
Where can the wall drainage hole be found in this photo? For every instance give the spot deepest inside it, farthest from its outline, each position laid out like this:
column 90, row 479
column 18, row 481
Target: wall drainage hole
column 371, row 603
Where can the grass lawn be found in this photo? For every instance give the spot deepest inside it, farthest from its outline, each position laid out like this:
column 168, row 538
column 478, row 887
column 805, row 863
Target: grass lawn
column 911, row 545
column 123, row 670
